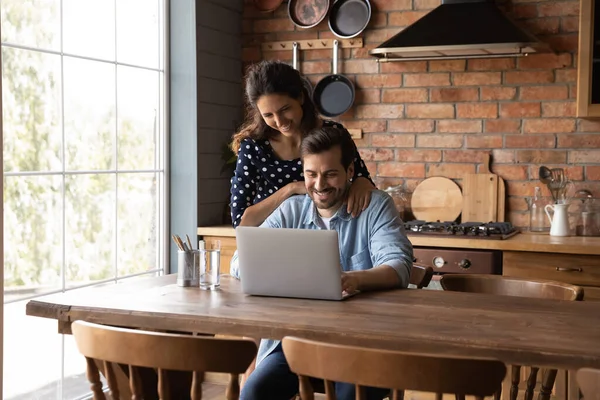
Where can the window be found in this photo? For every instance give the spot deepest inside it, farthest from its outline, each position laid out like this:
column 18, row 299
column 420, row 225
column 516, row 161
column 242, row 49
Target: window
column 84, row 168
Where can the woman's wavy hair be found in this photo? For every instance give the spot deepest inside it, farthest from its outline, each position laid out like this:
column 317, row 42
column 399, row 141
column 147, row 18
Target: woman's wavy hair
column 272, row 77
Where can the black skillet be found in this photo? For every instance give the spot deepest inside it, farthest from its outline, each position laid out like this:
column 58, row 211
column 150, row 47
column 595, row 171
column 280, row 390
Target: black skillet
column 334, row 94
column 305, row 80
column 348, row 18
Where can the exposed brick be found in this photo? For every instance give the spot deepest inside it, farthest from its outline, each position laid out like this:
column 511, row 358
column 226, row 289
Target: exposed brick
column 566, row 75
column 550, row 125
column 404, row 18
column 502, row 126
column 511, row 172
column 439, row 141
column 456, row 126
column 554, row 92
column 414, row 155
column 380, row 111
column 543, row 26
column 541, row 156
column 371, row 167
column 359, row 52
column 559, row 109
column 517, row 204
column 317, row 54
column 513, row 77
column 409, row 66
column 366, row 126
column 371, row 81
column 378, row 20
column 405, row 170
column 278, row 55
column 316, row 67
column 477, row 110
column 397, row 140
column 592, row 173
column 518, row 219
column 580, row 141
column 405, row 95
column 359, row 67
column 530, row 141
column 452, row 171
column 569, row 24
column 563, row 42
column 520, row 110
column 367, row 96
column 251, row 54
column 503, row 156
column 391, row 5
column 405, row 125
column 429, row 111
column 436, row 79
column 464, row 156
column 498, row 93
column 483, row 141
column 447, row 65
column 582, row 156
column 370, row 36
column 377, row 154
column 545, row 61
column 558, row 8
column 527, row 188
column 491, row 64
column 477, row 78
column 587, row 125
column 572, row 91
column 426, row 4
column 521, row 11
column 273, row 25
column 454, row 94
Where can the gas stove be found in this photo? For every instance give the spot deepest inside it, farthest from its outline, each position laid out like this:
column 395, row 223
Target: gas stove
column 489, row 230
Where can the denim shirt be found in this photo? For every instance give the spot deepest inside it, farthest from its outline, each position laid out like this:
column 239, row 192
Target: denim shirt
column 376, row 237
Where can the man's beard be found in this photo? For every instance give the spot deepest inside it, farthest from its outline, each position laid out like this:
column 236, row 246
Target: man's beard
column 336, row 197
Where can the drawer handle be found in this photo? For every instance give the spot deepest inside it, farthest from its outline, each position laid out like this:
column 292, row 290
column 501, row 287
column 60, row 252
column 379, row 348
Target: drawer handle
column 569, row 269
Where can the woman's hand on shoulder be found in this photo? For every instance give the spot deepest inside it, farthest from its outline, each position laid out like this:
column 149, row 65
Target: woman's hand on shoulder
column 296, row 188
column 359, row 196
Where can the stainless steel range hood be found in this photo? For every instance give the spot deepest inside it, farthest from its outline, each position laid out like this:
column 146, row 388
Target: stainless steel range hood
column 460, row 29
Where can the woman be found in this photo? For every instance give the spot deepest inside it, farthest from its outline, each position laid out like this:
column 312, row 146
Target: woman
column 269, row 170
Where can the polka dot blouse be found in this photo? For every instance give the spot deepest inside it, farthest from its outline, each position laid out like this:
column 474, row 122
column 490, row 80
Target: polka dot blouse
column 259, row 173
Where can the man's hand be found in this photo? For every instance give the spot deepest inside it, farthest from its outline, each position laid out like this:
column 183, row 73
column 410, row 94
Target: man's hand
column 350, row 282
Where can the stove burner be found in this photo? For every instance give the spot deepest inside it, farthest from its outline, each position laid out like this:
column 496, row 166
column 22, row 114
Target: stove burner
column 477, row 229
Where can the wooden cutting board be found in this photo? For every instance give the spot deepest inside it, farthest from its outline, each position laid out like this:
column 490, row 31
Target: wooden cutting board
column 436, row 199
column 501, row 200
column 480, row 195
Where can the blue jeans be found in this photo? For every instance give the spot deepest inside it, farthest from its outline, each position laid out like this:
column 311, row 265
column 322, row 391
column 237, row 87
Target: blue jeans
column 273, row 380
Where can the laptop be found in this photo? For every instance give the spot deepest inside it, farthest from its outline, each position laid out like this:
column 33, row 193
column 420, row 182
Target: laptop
column 284, row 262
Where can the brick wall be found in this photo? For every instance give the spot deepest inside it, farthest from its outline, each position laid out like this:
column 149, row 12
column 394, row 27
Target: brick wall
column 423, row 119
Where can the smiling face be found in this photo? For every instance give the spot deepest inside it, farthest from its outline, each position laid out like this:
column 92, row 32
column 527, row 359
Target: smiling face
column 326, row 180
column 281, row 112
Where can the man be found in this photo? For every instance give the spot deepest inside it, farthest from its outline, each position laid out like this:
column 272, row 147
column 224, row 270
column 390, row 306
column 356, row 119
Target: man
column 374, row 251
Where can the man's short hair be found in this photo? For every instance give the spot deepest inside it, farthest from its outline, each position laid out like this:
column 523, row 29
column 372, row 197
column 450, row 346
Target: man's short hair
column 325, row 138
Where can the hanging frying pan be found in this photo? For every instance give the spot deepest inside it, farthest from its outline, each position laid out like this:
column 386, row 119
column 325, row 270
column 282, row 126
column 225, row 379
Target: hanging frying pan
column 307, row 13
column 305, row 80
column 267, row 5
column 334, row 94
column 348, row 18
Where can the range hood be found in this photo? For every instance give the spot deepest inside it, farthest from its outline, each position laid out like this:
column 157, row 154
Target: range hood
column 460, row 29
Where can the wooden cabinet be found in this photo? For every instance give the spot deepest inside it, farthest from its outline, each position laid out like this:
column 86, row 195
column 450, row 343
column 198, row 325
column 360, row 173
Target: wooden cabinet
column 588, row 63
column 228, row 246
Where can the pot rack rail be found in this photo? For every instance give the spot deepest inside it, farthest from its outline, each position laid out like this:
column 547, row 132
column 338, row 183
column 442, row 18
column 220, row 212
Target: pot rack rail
column 313, row 44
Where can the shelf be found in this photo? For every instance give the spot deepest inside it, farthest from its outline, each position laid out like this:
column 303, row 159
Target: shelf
column 312, row 44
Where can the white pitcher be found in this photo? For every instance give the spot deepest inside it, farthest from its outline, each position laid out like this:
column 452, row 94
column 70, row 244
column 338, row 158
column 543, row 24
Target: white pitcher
column 559, row 221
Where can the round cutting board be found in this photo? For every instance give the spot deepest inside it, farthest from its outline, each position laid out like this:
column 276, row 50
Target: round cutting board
column 436, row 199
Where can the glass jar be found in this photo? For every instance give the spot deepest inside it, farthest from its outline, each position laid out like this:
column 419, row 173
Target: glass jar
column 398, row 195
column 538, row 220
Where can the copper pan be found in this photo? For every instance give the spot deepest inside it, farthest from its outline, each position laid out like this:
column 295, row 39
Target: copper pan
column 308, row 13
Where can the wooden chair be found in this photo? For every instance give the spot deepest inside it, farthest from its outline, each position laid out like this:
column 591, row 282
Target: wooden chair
column 389, row 369
column 589, row 382
column 521, row 287
column 420, row 275
column 162, row 351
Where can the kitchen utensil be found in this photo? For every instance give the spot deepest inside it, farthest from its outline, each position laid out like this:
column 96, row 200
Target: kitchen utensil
column 267, row 5
column 334, row 94
column 307, row 13
column 545, row 175
column 559, row 221
column 436, row 199
column 480, row 195
column 348, row 18
column 305, row 80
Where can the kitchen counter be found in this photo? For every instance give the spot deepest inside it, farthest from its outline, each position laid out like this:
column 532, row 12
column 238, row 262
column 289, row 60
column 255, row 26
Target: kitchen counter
column 521, row 242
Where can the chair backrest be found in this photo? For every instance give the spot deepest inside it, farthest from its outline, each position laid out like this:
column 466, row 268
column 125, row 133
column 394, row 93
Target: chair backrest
column 589, row 383
column 509, row 286
column 420, row 275
column 389, row 369
column 162, row 351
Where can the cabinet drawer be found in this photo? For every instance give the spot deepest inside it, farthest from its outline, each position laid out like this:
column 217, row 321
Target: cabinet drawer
column 568, row 268
column 591, row 293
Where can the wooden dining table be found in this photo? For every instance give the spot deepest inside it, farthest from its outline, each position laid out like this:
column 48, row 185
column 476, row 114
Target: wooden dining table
column 516, row 330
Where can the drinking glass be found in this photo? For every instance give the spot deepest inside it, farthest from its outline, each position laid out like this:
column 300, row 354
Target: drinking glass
column 210, row 265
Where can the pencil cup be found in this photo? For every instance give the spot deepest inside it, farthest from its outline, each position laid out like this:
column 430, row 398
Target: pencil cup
column 210, row 268
column 188, row 268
